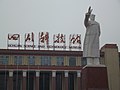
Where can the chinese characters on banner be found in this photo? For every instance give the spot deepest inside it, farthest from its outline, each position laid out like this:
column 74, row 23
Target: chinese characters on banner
column 14, row 38
column 43, row 40
column 29, row 40
column 74, row 40
column 59, row 41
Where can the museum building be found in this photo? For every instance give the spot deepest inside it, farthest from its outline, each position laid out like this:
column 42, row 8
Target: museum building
column 53, row 69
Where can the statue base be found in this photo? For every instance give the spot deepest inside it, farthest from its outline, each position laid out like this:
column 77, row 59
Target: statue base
column 94, row 77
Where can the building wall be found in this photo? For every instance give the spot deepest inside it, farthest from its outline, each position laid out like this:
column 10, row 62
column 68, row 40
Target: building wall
column 111, row 57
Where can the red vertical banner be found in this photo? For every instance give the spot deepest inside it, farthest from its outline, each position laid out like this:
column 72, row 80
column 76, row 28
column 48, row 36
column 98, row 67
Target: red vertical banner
column 15, row 39
column 29, row 40
column 43, row 40
column 59, row 41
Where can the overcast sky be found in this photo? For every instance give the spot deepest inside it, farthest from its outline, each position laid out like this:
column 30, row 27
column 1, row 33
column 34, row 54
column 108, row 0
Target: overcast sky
column 58, row 16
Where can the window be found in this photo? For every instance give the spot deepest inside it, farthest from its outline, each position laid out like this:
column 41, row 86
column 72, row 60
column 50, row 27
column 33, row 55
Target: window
column 17, row 60
column 83, row 62
column 72, row 61
column 45, row 60
column 4, row 60
column 31, row 60
column 60, row 61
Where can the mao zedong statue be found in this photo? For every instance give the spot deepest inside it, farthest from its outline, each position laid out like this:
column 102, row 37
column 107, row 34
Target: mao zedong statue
column 91, row 40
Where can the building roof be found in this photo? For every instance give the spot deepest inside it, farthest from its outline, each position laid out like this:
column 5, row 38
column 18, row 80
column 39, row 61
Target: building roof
column 40, row 52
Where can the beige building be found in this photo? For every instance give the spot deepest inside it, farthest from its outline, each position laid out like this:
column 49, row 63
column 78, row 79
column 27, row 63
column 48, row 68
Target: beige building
column 52, row 69
column 111, row 59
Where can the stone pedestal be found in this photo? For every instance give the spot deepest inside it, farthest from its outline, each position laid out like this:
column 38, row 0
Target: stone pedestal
column 94, row 78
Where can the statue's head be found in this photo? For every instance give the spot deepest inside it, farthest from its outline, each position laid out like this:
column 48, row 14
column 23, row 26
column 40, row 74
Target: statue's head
column 92, row 17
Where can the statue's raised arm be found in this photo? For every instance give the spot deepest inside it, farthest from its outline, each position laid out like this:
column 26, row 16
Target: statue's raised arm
column 87, row 16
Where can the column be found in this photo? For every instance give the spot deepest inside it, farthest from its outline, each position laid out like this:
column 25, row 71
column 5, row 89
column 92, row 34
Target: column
column 24, row 80
column 66, row 80
column 10, row 81
column 78, row 80
column 53, row 80
column 37, row 80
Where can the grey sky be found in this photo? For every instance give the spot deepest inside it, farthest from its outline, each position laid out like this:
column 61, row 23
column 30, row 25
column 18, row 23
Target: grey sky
column 58, row 16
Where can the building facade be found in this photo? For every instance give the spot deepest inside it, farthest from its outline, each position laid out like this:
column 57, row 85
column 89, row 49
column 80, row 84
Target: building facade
column 52, row 69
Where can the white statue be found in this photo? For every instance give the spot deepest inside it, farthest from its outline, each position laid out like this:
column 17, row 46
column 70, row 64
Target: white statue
column 91, row 40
